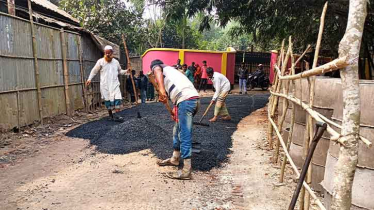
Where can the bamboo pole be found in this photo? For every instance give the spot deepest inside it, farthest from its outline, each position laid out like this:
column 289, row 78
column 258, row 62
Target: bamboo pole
column 278, row 85
column 290, row 134
column 130, row 69
column 285, row 102
column 311, row 100
column 302, row 197
column 36, row 64
column 363, row 139
column 294, row 167
column 335, row 136
column 18, row 100
column 80, row 53
column 66, row 73
column 272, row 99
column 328, row 67
column 302, row 55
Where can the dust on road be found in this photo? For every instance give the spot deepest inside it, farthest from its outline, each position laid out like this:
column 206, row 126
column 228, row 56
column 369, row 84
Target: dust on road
column 108, row 171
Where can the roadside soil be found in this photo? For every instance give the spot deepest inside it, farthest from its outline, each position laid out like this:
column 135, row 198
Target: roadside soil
column 47, row 170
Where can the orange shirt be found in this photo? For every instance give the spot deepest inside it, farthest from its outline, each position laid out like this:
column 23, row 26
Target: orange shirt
column 198, row 72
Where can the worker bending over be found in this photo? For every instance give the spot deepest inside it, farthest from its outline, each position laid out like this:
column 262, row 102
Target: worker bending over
column 184, row 96
column 109, row 69
column 222, row 86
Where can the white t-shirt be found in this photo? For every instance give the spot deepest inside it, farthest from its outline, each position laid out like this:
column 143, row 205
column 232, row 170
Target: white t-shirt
column 220, row 83
column 177, row 85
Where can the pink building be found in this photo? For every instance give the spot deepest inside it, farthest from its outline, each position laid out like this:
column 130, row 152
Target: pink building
column 220, row 61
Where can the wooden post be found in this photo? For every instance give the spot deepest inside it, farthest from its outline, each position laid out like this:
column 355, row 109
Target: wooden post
column 18, row 103
column 129, row 68
column 36, row 64
column 66, row 72
column 310, row 128
column 80, row 52
column 11, row 7
column 290, row 134
column 285, row 103
column 272, row 99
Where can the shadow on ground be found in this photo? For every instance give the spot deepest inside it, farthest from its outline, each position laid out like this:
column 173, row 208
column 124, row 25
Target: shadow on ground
column 154, row 131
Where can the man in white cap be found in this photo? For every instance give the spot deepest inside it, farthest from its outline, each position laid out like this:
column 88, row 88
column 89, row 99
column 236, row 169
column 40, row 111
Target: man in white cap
column 109, row 69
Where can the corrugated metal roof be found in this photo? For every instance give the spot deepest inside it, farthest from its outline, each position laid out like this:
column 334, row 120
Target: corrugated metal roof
column 48, row 5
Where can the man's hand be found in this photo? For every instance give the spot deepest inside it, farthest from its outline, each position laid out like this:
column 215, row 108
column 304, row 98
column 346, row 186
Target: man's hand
column 212, row 101
column 88, row 83
column 173, row 114
column 163, row 98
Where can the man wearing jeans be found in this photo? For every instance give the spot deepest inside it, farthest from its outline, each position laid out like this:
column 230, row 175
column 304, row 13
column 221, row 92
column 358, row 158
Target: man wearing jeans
column 185, row 98
column 242, row 79
column 143, row 83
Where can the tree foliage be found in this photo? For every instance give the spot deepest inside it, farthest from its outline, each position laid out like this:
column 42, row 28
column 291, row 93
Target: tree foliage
column 270, row 21
column 109, row 19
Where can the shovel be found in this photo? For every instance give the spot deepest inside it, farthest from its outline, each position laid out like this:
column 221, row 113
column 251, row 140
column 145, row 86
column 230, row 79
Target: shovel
column 321, row 127
column 201, row 119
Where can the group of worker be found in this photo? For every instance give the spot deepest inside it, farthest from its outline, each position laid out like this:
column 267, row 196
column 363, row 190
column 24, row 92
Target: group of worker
column 196, row 74
column 173, row 85
column 143, row 88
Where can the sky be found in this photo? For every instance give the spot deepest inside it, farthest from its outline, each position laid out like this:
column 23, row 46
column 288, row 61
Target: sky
column 150, row 10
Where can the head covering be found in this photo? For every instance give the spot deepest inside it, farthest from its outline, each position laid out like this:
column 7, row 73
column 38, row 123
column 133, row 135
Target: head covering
column 155, row 63
column 108, row 47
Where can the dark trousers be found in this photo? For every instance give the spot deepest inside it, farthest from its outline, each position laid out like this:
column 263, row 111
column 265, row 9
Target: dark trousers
column 204, row 82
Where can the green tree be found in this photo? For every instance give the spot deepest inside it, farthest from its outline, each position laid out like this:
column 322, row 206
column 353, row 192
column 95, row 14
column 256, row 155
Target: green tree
column 110, row 19
column 270, row 21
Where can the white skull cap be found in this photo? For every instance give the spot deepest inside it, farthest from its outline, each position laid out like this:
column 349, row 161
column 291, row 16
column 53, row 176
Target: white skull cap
column 108, row 47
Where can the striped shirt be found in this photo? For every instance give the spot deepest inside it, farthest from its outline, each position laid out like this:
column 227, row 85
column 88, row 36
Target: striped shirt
column 177, row 85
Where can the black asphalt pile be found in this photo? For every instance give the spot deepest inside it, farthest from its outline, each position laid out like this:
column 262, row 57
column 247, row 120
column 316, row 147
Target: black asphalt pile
column 154, row 131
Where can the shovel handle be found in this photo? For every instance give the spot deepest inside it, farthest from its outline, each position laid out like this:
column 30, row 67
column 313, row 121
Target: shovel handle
column 206, row 112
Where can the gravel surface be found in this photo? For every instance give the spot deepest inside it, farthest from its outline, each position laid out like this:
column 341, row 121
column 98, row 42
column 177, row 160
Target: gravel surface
column 154, row 131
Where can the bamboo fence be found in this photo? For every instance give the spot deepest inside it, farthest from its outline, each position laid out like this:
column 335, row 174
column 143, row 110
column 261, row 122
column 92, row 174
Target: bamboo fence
column 283, row 81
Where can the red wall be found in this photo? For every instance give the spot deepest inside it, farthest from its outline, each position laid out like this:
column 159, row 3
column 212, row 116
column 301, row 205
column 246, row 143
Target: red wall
column 168, row 57
column 214, row 60
column 230, row 69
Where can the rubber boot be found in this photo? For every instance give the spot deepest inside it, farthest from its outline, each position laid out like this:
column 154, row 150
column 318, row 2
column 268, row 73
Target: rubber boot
column 184, row 173
column 173, row 161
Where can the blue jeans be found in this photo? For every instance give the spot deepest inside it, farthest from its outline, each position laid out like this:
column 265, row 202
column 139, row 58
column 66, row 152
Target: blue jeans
column 243, row 85
column 143, row 95
column 182, row 132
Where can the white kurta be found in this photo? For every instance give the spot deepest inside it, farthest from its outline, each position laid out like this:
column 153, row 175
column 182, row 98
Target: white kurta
column 109, row 82
column 221, row 84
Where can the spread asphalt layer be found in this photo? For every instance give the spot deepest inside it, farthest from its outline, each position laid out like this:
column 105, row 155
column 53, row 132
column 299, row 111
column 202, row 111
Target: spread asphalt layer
column 154, row 131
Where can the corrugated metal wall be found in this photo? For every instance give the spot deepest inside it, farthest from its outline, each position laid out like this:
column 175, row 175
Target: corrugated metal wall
column 18, row 92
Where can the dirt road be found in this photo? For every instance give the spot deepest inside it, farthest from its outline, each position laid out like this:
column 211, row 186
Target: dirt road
column 71, row 173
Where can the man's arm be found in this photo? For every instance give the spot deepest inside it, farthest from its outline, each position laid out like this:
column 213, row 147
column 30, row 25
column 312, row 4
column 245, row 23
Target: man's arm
column 121, row 71
column 160, row 80
column 93, row 73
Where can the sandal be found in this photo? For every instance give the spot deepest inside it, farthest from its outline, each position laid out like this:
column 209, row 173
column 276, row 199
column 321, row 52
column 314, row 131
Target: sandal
column 166, row 162
column 178, row 175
